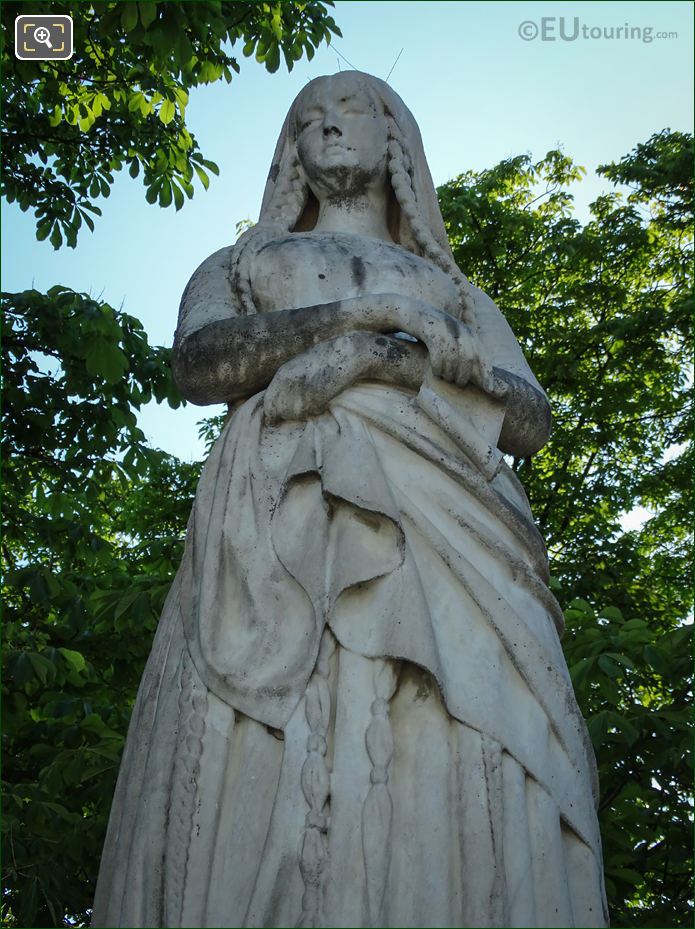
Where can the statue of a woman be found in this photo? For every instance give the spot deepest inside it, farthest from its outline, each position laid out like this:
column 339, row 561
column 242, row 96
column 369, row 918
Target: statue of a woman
column 356, row 711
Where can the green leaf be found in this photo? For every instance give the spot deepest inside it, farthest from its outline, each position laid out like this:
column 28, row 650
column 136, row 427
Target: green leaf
column 28, row 905
column 165, row 193
column 106, row 360
column 103, row 751
column 56, row 808
column 148, row 12
column 204, row 179
column 181, row 97
column 178, row 197
column 129, row 15
column 126, row 602
column 167, row 112
column 88, row 220
column 272, row 59
column 635, row 625
column 135, row 101
column 211, row 166
column 582, row 605
column 21, row 669
column 598, row 728
column 183, row 52
column 609, row 691
column 580, row 671
column 608, row 666
column 43, row 668
column 43, row 228
column 656, row 659
column 631, row 732
column 74, row 659
column 633, row 878
column 56, row 238
column 153, row 191
column 612, row 613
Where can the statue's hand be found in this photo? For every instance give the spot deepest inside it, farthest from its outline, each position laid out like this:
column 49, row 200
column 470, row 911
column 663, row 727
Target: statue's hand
column 305, row 385
column 457, row 355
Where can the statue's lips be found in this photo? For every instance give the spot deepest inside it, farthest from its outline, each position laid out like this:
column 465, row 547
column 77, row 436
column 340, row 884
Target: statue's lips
column 335, row 147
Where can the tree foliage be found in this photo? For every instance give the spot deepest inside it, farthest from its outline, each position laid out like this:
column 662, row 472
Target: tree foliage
column 95, row 518
column 603, row 311
column 120, row 101
column 93, row 534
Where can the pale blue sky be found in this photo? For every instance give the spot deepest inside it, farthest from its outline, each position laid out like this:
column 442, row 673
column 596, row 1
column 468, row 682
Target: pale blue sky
column 478, row 90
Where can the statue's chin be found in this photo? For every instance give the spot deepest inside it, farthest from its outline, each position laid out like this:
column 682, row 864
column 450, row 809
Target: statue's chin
column 343, row 181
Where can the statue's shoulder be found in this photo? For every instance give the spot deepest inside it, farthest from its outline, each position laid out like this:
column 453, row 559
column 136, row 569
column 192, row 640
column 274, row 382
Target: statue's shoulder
column 484, row 304
column 209, row 295
column 497, row 336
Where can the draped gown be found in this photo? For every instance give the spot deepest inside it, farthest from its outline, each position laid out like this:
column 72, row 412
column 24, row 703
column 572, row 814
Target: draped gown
column 356, row 711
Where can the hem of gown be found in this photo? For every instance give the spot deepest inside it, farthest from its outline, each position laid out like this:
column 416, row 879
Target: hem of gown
column 386, row 861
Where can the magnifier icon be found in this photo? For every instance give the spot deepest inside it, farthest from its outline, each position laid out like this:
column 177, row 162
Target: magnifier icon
column 42, row 35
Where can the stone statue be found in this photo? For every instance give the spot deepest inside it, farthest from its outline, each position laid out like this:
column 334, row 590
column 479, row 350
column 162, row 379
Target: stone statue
column 356, row 711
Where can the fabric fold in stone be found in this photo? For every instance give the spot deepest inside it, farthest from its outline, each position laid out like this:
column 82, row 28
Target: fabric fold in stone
column 398, row 556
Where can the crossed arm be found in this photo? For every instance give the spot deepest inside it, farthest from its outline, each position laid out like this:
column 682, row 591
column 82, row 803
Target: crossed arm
column 307, row 356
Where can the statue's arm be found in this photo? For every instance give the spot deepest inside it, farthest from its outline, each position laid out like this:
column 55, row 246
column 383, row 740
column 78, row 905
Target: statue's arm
column 220, row 356
column 306, row 384
column 232, row 358
column 527, row 420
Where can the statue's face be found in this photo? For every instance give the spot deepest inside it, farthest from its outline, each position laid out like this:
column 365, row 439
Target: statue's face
column 341, row 137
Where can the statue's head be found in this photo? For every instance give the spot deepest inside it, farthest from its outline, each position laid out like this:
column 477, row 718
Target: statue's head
column 341, row 135
column 376, row 141
column 343, row 132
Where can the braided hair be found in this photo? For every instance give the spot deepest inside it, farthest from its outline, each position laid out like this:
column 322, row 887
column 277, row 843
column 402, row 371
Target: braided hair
column 401, row 173
column 279, row 218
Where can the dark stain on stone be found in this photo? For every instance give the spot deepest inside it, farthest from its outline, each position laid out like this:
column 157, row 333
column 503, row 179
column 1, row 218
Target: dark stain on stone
column 451, row 325
column 358, row 270
column 290, row 239
column 423, row 691
column 273, row 173
column 396, row 351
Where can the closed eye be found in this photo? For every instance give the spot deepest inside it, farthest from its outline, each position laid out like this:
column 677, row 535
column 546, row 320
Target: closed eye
column 310, row 117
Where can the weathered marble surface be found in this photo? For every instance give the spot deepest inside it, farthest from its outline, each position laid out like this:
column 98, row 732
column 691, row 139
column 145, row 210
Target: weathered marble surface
column 356, row 711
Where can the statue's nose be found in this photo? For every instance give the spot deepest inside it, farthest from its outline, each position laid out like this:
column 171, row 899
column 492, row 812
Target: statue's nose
column 331, row 128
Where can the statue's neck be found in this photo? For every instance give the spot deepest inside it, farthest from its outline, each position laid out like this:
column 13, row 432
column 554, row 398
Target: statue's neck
column 364, row 214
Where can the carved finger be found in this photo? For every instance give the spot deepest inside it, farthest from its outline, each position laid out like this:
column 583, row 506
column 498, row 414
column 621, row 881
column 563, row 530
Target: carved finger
column 463, row 373
column 489, row 382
